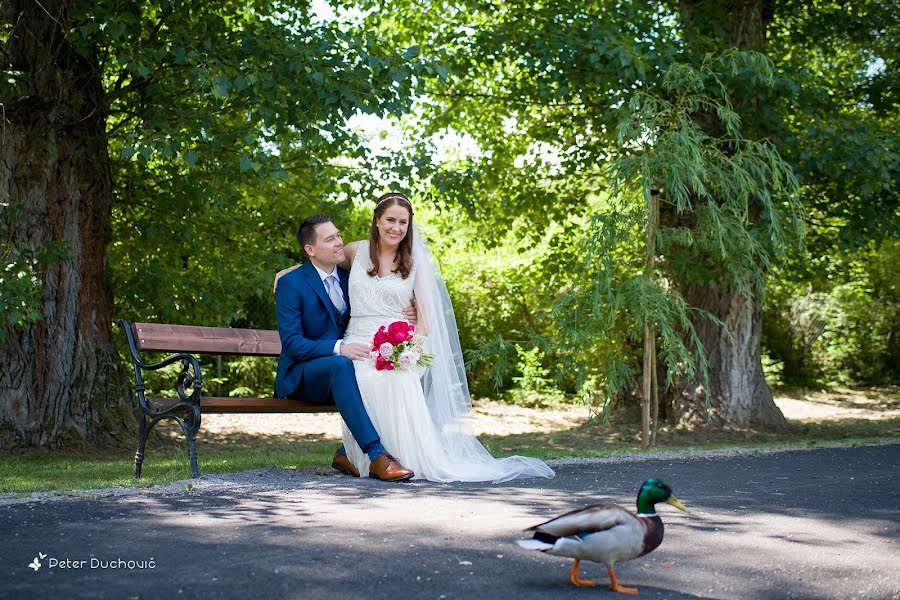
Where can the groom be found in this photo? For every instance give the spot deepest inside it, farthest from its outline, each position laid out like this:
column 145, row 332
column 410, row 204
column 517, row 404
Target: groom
column 315, row 364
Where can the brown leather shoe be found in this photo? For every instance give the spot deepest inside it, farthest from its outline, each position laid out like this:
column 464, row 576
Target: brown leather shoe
column 343, row 464
column 388, row 468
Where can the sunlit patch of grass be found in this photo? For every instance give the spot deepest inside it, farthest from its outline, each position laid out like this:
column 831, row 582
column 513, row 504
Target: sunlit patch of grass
column 595, row 439
column 38, row 471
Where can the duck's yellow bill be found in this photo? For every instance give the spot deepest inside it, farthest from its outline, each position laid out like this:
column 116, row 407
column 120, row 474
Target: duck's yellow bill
column 674, row 502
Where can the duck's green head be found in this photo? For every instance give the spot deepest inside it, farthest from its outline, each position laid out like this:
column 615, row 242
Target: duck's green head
column 653, row 491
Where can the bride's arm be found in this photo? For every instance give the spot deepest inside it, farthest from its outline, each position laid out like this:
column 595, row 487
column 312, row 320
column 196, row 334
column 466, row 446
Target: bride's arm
column 422, row 306
column 349, row 255
column 281, row 274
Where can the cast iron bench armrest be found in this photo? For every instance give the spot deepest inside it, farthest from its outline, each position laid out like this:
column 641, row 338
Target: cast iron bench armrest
column 185, row 379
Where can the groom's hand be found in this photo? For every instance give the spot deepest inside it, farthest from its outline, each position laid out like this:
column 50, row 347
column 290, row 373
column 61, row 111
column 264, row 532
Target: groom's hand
column 355, row 351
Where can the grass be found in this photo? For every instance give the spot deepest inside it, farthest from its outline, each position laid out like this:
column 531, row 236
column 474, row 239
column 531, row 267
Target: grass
column 546, row 453
column 164, row 463
column 596, row 440
column 167, row 461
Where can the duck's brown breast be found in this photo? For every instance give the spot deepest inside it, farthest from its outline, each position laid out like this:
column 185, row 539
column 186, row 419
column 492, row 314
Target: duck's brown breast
column 653, row 533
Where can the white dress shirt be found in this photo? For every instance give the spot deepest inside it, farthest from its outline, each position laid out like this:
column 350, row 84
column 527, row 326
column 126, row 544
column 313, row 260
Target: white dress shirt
column 323, row 275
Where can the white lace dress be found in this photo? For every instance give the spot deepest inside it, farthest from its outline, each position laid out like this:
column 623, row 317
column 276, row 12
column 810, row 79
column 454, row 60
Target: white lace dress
column 395, row 400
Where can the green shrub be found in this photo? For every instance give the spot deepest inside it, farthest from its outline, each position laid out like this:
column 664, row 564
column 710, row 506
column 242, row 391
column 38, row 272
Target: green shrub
column 846, row 331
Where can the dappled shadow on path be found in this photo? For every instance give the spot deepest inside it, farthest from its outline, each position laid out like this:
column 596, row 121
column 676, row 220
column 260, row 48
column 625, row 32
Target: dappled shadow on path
column 789, row 524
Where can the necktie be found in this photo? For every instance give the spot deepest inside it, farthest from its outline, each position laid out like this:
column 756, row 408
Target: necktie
column 334, row 292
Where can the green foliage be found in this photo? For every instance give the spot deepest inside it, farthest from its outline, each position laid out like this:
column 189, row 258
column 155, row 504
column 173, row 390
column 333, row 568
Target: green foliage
column 712, row 181
column 840, row 116
column 534, row 387
column 245, row 376
column 552, row 94
column 503, row 294
column 227, row 125
column 20, row 291
column 161, row 383
column 255, row 376
column 844, row 329
column 735, row 192
column 21, row 285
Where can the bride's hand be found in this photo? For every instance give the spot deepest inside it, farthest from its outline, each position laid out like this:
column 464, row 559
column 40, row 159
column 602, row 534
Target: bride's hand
column 411, row 313
column 280, row 274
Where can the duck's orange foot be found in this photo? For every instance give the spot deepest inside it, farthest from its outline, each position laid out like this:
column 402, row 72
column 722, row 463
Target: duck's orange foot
column 624, row 590
column 576, row 580
column 614, row 584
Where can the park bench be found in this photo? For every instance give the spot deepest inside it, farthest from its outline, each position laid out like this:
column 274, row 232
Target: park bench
column 186, row 409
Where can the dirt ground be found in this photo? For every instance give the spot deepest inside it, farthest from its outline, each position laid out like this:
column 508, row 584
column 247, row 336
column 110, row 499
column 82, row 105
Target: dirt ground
column 500, row 420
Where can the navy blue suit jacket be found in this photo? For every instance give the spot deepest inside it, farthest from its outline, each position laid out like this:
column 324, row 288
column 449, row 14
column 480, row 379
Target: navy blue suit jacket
column 308, row 323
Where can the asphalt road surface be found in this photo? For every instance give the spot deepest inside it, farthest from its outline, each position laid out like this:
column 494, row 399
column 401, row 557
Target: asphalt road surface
column 817, row 523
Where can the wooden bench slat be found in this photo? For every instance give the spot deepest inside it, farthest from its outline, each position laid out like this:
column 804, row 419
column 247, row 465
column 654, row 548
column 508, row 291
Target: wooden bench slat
column 251, row 405
column 206, row 340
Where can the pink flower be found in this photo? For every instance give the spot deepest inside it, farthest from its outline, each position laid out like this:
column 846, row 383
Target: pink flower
column 381, row 337
column 399, row 338
column 398, row 332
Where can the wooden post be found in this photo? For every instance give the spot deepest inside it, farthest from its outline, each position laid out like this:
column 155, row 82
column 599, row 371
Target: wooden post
column 654, row 224
column 645, row 396
column 651, row 196
column 655, row 386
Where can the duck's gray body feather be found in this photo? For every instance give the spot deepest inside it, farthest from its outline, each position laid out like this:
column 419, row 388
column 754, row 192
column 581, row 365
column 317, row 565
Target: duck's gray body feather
column 604, row 533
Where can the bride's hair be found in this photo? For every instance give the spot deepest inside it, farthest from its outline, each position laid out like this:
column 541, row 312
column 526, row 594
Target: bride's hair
column 403, row 259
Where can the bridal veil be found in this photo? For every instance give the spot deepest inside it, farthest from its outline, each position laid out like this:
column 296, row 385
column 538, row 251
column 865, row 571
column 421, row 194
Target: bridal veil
column 444, row 383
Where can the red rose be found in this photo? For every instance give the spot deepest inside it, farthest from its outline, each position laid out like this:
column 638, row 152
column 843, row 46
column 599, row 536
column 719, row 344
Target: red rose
column 383, row 365
column 398, row 332
column 381, row 337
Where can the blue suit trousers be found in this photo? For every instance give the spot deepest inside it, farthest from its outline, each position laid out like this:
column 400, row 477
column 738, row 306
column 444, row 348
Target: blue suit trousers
column 332, row 378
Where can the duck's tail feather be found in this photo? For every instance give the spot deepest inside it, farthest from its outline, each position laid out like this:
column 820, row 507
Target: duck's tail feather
column 533, row 544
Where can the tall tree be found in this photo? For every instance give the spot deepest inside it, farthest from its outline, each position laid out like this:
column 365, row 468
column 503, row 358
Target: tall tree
column 543, row 87
column 187, row 95
column 737, row 392
column 60, row 375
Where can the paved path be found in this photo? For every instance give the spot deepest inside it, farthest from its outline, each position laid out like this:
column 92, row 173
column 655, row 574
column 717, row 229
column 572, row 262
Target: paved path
column 819, row 523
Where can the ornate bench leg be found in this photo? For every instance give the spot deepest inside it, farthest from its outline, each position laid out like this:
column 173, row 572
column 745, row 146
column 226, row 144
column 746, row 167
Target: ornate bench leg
column 142, row 444
column 192, row 453
column 191, row 425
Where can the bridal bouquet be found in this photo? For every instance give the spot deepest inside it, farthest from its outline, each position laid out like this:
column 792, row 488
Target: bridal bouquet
column 397, row 346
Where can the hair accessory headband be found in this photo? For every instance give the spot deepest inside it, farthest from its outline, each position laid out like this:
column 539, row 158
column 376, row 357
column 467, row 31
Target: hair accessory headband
column 394, row 197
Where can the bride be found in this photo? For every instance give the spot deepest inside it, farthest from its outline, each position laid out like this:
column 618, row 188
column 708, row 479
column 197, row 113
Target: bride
column 424, row 416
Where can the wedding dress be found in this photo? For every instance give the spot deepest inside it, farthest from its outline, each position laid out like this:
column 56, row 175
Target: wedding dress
column 423, row 416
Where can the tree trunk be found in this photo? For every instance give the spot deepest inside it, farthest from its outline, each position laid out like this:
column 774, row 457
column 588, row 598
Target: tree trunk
column 738, row 394
column 61, row 380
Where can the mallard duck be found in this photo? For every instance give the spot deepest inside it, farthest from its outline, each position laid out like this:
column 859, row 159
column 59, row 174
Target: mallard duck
column 606, row 533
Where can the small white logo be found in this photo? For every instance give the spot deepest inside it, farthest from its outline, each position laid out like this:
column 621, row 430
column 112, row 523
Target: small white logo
column 36, row 564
